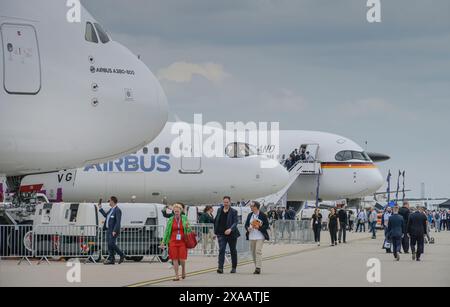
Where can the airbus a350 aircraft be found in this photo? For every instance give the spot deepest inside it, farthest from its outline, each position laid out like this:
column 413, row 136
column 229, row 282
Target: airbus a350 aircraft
column 344, row 169
column 67, row 91
column 156, row 174
column 153, row 174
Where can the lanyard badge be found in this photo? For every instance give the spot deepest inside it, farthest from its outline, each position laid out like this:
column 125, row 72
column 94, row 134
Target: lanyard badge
column 179, row 229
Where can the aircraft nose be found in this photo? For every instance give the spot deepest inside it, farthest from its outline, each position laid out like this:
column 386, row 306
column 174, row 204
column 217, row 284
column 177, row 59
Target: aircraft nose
column 376, row 180
column 154, row 111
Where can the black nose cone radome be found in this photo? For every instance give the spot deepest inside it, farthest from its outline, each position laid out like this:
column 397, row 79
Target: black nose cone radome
column 378, row 157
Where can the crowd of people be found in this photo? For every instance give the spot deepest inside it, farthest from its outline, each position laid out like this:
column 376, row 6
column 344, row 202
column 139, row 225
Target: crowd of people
column 298, row 155
column 178, row 229
column 404, row 229
column 338, row 224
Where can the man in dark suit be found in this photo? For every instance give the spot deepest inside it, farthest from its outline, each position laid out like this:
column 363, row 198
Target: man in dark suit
column 225, row 228
column 396, row 230
column 405, row 212
column 112, row 226
column 343, row 222
column 417, row 228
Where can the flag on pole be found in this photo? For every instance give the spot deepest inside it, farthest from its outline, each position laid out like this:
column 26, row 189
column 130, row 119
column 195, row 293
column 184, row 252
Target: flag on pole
column 388, row 191
column 398, row 186
column 404, row 194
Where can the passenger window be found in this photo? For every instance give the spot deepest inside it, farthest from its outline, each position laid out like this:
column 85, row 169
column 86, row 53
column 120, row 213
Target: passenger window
column 102, row 34
column 90, row 35
column 167, row 151
column 145, row 150
column 156, row 151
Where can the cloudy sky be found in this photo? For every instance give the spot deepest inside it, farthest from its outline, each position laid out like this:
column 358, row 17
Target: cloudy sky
column 310, row 64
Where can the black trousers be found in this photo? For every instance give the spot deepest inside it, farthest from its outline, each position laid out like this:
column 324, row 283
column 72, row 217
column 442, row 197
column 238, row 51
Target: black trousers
column 343, row 233
column 417, row 241
column 350, row 226
column 232, row 242
column 317, row 229
column 333, row 233
column 405, row 243
column 113, row 248
column 396, row 245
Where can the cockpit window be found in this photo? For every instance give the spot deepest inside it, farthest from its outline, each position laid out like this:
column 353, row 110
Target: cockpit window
column 240, row 150
column 348, row 155
column 102, row 34
column 90, row 35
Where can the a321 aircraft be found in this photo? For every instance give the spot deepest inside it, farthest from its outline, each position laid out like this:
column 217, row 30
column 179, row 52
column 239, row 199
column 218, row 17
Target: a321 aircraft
column 69, row 94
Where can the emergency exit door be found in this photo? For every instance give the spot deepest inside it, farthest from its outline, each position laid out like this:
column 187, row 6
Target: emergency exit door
column 21, row 58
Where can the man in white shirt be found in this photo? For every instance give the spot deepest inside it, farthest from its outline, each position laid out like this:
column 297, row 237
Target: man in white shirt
column 373, row 218
column 361, row 221
column 257, row 225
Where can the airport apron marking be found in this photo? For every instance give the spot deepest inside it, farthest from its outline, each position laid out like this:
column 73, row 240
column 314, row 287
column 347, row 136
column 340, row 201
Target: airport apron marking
column 211, row 270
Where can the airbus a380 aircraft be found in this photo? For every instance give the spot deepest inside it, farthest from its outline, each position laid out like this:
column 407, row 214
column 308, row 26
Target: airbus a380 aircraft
column 156, row 174
column 69, row 94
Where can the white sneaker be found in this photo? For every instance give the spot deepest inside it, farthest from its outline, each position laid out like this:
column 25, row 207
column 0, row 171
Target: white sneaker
column 318, row 244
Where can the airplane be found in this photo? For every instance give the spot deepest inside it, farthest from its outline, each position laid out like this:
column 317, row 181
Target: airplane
column 157, row 174
column 339, row 166
column 70, row 95
column 153, row 175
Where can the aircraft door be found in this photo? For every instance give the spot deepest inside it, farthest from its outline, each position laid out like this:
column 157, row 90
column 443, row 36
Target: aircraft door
column 21, row 59
column 191, row 158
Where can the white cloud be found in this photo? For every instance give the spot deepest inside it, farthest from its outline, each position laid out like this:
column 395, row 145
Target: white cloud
column 367, row 106
column 284, row 99
column 373, row 107
column 183, row 72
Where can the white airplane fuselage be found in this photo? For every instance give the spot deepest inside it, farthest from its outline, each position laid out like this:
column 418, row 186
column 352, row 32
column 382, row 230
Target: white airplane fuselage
column 67, row 100
column 156, row 175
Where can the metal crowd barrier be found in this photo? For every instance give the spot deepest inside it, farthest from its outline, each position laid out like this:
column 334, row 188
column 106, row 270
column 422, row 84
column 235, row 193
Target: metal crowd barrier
column 137, row 243
column 16, row 241
column 208, row 244
column 69, row 241
column 292, row 232
column 91, row 243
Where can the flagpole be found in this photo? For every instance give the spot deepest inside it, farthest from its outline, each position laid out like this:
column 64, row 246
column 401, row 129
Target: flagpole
column 318, row 191
column 389, row 188
column 404, row 194
column 398, row 187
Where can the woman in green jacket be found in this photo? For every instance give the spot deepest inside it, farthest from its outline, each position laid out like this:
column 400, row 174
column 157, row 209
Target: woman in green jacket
column 174, row 237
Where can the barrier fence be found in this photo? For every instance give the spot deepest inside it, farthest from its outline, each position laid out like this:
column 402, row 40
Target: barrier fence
column 290, row 232
column 90, row 242
column 208, row 244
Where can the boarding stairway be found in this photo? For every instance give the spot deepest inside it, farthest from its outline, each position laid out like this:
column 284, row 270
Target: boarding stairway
column 301, row 168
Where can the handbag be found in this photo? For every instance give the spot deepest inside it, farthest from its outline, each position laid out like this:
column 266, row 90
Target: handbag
column 191, row 240
column 387, row 245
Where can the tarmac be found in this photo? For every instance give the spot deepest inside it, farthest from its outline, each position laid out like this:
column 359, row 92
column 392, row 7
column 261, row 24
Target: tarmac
column 289, row 265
